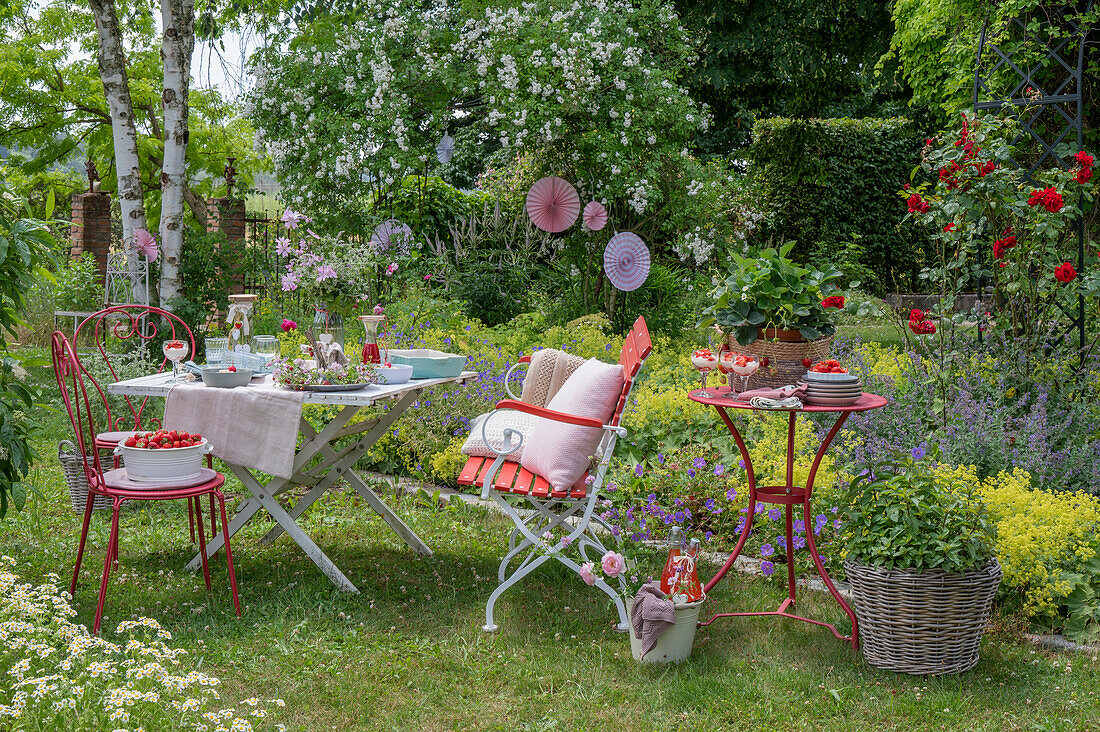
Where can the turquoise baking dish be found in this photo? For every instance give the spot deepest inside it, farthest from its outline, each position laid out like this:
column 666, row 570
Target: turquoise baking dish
column 429, row 364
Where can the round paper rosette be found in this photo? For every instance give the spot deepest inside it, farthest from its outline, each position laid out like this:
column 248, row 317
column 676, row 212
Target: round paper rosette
column 595, row 216
column 553, row 204
column 626, row 261
column 445, row 150
column 391, row 234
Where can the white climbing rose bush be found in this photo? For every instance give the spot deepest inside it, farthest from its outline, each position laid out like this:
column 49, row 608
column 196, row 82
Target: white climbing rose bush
column 347, row 109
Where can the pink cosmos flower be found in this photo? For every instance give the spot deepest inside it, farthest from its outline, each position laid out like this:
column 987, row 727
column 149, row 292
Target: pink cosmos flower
column 586, row 573
column 291, row 218
column 325, row 272
column 290, row 282
column 289, row 325
column 613, row 564
column 146, row 245
column 283, row 247
column 391, row 268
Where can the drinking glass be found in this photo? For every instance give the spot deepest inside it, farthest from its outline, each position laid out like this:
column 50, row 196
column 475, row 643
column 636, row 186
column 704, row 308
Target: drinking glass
column 744, row 365
column 266, row 346
column 175, row 351
column 215, row 351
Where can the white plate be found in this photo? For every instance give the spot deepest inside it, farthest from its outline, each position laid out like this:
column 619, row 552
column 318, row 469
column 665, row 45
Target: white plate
column 815, row 376
column 831, row 401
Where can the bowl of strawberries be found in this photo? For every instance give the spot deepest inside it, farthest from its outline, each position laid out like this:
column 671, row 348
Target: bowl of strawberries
column 827, row 370
column 163, row 456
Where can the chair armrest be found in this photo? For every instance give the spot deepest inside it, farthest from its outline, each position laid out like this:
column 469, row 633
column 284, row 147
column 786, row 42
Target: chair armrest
column 508, row 375
column 549, row 413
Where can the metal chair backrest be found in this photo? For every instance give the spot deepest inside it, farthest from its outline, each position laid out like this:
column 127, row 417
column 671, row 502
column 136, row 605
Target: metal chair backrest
column 636, row 348
column 70, row 382
column 138, row 325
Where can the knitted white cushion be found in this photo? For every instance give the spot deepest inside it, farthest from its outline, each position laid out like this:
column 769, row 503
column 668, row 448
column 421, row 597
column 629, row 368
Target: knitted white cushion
column 561, row 452
column 475, row 444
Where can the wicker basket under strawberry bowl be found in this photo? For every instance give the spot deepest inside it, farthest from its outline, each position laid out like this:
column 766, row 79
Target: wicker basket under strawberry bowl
column 175, row 460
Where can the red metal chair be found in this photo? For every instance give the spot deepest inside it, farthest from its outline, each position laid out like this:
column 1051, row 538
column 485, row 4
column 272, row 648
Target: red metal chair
column 112, row 484
column 138, row 326
column 573, row 508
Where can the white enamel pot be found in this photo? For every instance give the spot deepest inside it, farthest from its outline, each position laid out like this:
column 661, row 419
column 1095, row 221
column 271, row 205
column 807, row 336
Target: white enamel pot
column 165, row 464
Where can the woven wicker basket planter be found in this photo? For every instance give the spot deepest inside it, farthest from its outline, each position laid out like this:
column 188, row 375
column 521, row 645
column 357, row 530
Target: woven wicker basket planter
column 922, row 622
column 784, row 359
column 72, row 468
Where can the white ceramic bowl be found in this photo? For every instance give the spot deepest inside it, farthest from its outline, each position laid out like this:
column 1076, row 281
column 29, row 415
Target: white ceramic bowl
column 173, row 463
column 395, row 373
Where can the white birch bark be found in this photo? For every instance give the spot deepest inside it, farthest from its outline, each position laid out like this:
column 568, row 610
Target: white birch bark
column 178, row 18
column 116, row 89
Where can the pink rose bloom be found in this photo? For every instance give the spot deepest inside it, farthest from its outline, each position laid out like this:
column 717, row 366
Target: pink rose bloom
column 613, row 564
column 586, row 573
column 289, row 325
column 378, row 309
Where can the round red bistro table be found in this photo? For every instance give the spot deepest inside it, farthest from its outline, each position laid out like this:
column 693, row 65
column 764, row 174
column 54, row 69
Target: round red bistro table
column 788, row 495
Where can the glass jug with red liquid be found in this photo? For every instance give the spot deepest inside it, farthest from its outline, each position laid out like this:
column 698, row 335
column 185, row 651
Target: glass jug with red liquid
column 680, row 578
column 371, row 351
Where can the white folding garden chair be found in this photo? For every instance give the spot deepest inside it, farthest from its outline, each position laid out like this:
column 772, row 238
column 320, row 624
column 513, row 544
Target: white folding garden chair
column 573, row 509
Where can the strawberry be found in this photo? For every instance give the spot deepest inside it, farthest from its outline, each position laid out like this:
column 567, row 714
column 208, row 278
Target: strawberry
column 764, row 362
column 184, row 436
column 196, row 437
column 232, row 369
column 131, row 442
column 807, row 362
column 832, row 363
column 153, row 446
column 175, row 443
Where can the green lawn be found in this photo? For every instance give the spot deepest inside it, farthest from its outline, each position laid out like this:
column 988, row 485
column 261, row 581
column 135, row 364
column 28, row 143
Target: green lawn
column 408, row 653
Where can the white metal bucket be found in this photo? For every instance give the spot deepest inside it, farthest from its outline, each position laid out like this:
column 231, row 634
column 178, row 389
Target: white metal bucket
column 674, row 645
column 176, row 463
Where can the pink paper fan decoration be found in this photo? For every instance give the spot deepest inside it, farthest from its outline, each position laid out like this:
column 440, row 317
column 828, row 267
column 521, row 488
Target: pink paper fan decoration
column 146, row 245
column 626, row 261
column 553, row 204
column 595, row 216
column 391, row 234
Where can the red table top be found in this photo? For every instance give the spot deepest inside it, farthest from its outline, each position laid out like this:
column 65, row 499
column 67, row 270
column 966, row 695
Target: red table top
column 723, row 399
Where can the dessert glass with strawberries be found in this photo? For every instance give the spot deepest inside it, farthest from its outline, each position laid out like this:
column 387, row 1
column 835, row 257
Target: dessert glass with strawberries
column 704, row 362
column 744, row 365
column 175, row 351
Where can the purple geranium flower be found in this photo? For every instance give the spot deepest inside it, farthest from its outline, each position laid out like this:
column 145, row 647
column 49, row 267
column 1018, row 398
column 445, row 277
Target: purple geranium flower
column 766, row 550
column 918, row 453
column 699, row 463
column 719, row 469
column 638, row 471
column 774, row 514
column 767, row 567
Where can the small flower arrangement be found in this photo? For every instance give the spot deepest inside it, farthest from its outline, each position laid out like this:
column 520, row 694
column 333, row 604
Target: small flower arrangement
column 297, row 374
column 769, row 291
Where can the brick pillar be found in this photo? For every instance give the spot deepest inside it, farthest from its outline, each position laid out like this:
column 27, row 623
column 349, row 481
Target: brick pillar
column 91, row 227
column 227, row 215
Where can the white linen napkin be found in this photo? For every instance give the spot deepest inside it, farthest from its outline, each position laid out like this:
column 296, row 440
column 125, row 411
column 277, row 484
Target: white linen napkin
column 255, row 426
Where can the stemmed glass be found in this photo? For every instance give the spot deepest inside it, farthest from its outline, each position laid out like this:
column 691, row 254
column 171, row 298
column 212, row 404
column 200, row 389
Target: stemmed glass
column 266, row 346
column 704, row 361
column 744, row 365
column 175, row 351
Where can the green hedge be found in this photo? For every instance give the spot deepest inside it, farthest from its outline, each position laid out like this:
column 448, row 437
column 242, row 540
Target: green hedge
column 830, row 186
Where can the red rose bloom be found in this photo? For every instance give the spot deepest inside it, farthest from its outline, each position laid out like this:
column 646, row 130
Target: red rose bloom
column 950, row 227
column 915, row 316
column 922, row 327
column 1001, row 245
column 989, row 167
column 1049, row 198
column 1065, row 272
column 1083, row 175
column 833, row 301
column 917, row 204
column 1084, row 159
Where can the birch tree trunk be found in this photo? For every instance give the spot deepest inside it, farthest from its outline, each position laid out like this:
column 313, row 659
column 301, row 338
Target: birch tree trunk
column 116, row 89
column 178, row 18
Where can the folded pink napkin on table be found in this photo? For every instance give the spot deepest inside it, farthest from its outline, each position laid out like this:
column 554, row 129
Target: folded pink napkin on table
column 255, row 426
column 651, row 615
column 768, row 392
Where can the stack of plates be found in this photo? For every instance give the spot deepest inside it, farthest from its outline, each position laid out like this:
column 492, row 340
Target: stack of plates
column 832, row 390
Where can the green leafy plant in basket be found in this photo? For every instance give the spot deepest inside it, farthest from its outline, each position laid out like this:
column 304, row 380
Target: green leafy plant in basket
column 901, row 515
column 771, row 292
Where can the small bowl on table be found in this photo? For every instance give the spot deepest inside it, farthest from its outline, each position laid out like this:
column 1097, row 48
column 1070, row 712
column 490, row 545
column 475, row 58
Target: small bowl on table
column 226, row 379
column 391, row 374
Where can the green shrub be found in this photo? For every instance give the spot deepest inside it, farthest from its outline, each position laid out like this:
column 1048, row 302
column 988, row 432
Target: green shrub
column 206, row 269
column 79, row 284
column 823, row 181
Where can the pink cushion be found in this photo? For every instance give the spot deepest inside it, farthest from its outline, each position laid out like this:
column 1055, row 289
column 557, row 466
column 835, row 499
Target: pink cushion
column 561, row 452
column 114, row 437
